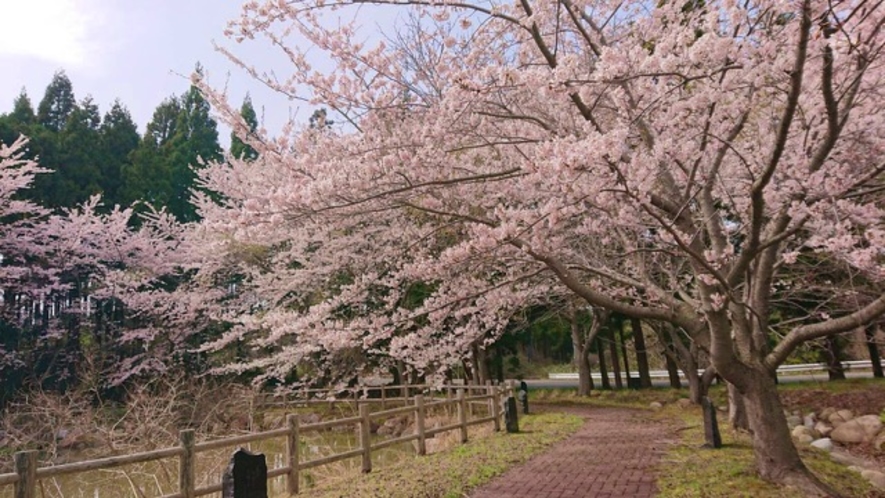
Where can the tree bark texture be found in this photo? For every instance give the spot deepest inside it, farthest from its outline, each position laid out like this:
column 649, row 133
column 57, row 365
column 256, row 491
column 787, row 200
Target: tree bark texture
column 833, row 357
column 616, row 364
column 603, row 368
column 641, row 354
column 873, row 348
column 777, row 459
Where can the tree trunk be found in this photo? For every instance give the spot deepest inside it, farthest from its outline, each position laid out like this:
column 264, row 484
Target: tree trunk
column 737, row 410
column 873, row 348
column 585, row 377
column 581, row 359
column 696, row 389
column 641, row 354
column 616, row 364
column 624, row 354
column 833, row 356
column 672, row 372
column 603, row 369
column 777, row 459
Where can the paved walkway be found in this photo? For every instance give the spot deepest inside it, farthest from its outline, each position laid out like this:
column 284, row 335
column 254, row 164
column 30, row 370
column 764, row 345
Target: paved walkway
column 611, row 455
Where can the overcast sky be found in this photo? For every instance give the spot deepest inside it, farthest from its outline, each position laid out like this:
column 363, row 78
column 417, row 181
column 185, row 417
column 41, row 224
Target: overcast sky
column 134, row 50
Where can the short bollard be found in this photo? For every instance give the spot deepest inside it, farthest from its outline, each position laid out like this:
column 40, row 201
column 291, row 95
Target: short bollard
column 245, row 476
column 510, row 421
column 524, row 396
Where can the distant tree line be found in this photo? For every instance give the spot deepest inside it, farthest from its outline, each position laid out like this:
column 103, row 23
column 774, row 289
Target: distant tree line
column 92, row 154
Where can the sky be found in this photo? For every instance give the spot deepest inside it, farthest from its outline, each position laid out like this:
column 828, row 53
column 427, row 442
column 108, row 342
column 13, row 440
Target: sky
column 140, row 51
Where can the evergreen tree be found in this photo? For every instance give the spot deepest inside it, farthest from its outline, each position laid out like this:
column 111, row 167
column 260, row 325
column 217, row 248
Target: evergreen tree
column 146, row 176
column 78, row 173
column 58, row 103
column 238, row 148
column 119, row 137
column 194, row 141
column 22, row 110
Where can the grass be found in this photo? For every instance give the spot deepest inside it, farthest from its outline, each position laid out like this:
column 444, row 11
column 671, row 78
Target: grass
column 689, row 471
column 451, row 473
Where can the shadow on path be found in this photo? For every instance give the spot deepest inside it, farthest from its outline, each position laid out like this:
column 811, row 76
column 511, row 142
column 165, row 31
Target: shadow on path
column 613, row 454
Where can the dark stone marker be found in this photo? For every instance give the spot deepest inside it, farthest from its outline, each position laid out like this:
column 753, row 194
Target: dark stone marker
column 634, row 383
column 245, row 476
column 510, row 420
column 524, row 396
column 711, row 428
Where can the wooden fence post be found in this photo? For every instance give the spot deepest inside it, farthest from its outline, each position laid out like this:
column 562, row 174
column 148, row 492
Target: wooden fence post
column 292, row 454
column 419, row 424
column 186, row 464
column 469, row 393
column 494, row 409
column 26, row 469
column 383, row 397
column 365, row 440
column 462, row 414
column 449, row 401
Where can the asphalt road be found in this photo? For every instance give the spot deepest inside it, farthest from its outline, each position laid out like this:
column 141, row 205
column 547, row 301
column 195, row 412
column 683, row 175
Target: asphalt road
column 809, row 377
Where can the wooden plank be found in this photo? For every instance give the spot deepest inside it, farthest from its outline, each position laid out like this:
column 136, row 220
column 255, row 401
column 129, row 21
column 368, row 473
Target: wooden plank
column 462, row 415
column 277, row 472
column 393, row 411
column 186, row 464
column 107, row 463
column 331, row 458
column 394, row 441
column 292, row 453
column 495, row 408
column 328, row 424
column 365, row 441
column 208, row 490
column 8, row 479
column 26, row 469
column 481, row 420
column 239, row 440
column 419, row 424
column 444, row 428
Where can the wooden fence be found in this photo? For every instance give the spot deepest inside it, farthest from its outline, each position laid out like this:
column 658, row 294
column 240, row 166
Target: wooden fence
column 27, row 473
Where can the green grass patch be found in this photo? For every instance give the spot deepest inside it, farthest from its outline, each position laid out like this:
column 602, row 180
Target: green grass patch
column 688, row 470
column 451, row 473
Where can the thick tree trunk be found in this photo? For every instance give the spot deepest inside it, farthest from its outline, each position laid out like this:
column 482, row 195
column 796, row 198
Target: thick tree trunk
column 581, row 361
column 777, row 459
column 616, row 364
column 603, row 369
column 585, row 377
column 873, row 348
column 641, row 354
column 737, row 410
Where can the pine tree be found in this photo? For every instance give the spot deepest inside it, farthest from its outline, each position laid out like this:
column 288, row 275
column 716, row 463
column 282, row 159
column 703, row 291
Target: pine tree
column 78, row 174
column 147, row 175
column 119, row 137
column 58, row 103
column 238, row 148
column 22, row 110
column 194, row 142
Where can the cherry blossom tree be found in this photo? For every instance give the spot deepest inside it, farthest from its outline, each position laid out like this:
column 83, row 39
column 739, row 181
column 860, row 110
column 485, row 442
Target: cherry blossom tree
column 668, row 161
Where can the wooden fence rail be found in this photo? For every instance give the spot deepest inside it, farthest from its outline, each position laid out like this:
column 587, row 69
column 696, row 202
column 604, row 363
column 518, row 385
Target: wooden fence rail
column 27, row 474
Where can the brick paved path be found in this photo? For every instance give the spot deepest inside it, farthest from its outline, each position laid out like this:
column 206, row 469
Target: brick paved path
column 611, row 455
